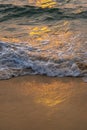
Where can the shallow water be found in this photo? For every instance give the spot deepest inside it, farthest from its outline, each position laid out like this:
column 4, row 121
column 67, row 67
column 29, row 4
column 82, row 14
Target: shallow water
column 43, row 37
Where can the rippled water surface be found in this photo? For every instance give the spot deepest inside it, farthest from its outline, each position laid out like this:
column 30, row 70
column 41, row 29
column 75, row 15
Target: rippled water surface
column 43, row 37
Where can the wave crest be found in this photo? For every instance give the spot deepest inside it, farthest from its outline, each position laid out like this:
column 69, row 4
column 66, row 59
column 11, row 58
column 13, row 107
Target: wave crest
column 16, row 60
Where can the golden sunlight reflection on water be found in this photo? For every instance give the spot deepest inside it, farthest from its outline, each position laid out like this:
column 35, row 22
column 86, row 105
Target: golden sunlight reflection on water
column 55, row 35
column 44, row 3
column 50, row 35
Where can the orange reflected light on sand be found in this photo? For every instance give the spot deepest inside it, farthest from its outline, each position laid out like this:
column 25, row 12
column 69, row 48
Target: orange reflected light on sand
column 48, row 94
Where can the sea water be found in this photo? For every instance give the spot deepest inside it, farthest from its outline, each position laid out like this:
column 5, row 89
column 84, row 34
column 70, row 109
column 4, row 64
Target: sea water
column 47, row 37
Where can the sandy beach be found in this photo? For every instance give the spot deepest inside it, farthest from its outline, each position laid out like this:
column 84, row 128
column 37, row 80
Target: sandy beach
column 43, row 103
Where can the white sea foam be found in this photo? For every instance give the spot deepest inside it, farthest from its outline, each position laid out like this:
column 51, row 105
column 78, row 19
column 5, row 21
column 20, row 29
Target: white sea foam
column 17, row 59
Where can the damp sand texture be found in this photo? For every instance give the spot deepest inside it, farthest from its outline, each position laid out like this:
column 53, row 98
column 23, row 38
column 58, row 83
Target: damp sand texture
column 43, row 103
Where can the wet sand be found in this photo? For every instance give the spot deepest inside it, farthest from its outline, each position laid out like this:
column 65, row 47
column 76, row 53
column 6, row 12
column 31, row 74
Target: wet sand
column 43, row 103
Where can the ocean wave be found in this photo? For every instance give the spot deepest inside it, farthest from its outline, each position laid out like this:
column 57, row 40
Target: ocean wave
column 17, row 59
column 9, row 12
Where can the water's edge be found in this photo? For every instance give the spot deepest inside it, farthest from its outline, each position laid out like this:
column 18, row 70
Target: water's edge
column 16, row 60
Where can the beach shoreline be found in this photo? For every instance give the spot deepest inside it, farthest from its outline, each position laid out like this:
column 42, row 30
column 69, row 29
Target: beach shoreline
column 44, row 103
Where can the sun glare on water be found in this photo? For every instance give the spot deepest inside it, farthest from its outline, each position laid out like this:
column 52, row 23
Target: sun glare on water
column 44, row 3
